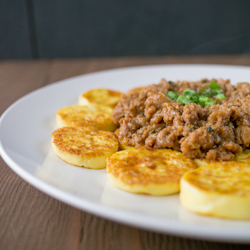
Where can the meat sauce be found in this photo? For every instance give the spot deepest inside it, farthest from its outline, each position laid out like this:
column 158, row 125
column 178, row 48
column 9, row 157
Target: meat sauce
column 147, row 116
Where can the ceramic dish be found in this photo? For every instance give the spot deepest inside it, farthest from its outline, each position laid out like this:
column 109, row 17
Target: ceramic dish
column 25, row 132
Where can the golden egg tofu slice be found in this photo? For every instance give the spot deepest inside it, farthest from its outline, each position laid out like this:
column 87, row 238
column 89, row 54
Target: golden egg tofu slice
column 201, row 162
column 123, row 146
column 220, row 189
column 84, row 146
column 94, row 115
column 148, row 171
column 104, row 97
column 243, row 156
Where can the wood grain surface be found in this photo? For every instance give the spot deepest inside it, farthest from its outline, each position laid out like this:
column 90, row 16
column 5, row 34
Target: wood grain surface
column 30, row 219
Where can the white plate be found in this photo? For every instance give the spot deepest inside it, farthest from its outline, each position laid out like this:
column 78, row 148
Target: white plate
column 26, row 127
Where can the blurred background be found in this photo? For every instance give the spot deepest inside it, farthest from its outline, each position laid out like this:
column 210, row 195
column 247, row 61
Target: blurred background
column 38, row 29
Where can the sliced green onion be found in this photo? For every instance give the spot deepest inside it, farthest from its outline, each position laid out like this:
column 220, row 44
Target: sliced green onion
column 195, row 98
column 182, row 99
column 188, row 91
column 210, row 102
column 172, row 95
column 215, row 92
column 205, row 92
column 220, row 97
column 209, row 129
column 203, row 98
column 214, row 85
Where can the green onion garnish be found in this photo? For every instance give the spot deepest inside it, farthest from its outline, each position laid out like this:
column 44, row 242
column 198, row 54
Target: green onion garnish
column 214, row 85
column 209, row 129
column 203, row 98
column 188, row 91
column 220, row 97
column 172, row 95
column 216, row 92
column 210, row 102
column 184, row 100
column 205, row 92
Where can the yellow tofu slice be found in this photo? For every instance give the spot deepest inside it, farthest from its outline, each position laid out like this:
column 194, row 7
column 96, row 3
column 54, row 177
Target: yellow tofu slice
column 148, row 171
column 220, row 189
column 201, row 162
column 104, row 97
column 84, row 146
column 94, row 115
column 244, row 156
column 123, row 146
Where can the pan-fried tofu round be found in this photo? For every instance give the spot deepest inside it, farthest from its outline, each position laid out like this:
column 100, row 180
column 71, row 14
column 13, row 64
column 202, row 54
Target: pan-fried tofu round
column 92, row 115
column 202, row 162
column 123, row 146
column 84, row 146
column 220, row 189
column 243, row 156
column 148, row 171
column 104, row 97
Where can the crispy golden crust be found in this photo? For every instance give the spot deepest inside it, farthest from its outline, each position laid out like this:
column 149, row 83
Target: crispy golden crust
column 229, row 177
column 152, row 171
column 84, row 146
column 220, row 189
column 243, row 156
column 104, row 97
column 92, row 115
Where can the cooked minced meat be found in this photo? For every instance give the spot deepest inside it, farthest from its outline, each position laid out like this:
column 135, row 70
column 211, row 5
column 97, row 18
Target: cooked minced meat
column 147, row 116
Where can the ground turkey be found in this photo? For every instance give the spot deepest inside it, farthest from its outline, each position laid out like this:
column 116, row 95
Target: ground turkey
column 146, row 116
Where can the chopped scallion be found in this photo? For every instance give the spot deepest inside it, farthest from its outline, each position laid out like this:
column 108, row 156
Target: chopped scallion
column 210, row 102
column 182, row 99
column 188, row 91
column 209, row 129
column 205, row 92
column 214, row 85
column 172, row 95
column 220, row 97
column 202, row 98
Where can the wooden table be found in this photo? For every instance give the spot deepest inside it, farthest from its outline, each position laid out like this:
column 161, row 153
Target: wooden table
column 30, row 219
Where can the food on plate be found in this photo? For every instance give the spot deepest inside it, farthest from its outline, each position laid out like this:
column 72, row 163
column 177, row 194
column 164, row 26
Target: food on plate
column 100, row 96
column 202, row 119
column 136, row 89
column 148, row 171
column 95, row 115
column 123, row 147
column 84, row 146
column 244, row 156
column 220, row 189
column 190, row 137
